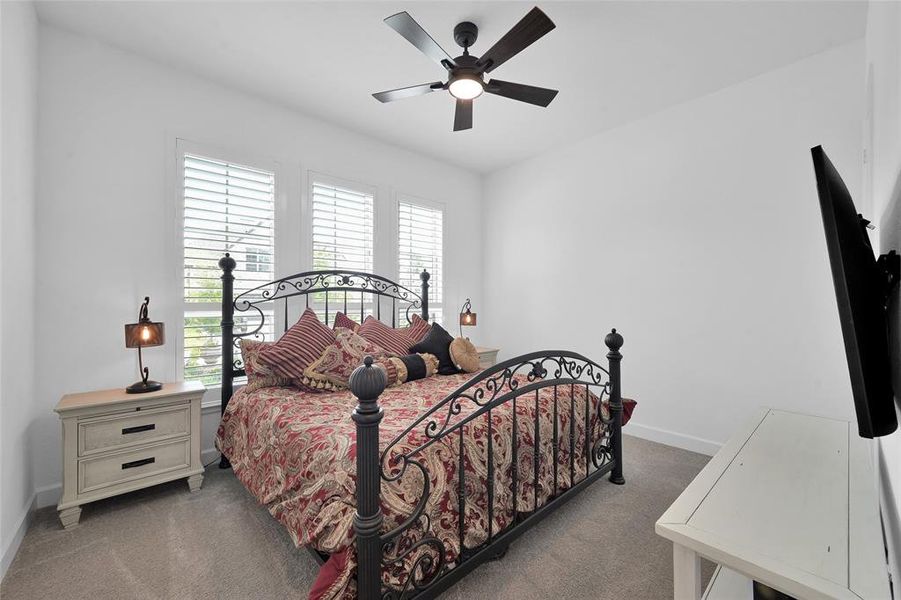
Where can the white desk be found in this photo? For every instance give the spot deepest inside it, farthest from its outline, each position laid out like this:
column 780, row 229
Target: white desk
column 789, row 501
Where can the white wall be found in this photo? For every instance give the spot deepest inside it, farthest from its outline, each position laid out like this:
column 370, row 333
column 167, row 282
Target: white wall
column 106, row 198
column 696, row 232
column 18, row 124
column 882, row 180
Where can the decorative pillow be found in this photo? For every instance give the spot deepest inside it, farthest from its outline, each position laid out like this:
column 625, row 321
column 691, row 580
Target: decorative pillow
column 464, row 355
column 390, row 368
column 259, row 375
column 298, row 347
column 342, row 320
column 333, row 368
column 437, row 341
column 417, row 329
column 414, row 366
column 395, row 341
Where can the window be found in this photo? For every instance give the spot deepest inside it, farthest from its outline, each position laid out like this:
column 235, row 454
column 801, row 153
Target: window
column 258, row 260
column 420, row 246
column 342, row 238
column 227, row 208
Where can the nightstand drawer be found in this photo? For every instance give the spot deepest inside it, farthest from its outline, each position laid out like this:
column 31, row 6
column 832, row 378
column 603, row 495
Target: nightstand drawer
column 112, row 432
column 111, row 469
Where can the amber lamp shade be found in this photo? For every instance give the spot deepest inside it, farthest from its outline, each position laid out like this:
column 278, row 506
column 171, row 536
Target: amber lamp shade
column 144, row 334
column 467, row 317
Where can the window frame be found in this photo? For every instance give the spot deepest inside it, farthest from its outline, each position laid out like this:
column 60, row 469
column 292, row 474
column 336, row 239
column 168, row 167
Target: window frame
column 432, row 205
column 214, row 152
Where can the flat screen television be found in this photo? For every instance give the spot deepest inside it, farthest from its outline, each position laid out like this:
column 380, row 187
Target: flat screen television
column 863, row 286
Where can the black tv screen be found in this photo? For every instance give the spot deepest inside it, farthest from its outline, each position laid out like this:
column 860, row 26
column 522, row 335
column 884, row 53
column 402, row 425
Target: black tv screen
column 860, row 288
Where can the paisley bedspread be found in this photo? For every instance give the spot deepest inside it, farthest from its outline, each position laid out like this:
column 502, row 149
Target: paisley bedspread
column 295, row 452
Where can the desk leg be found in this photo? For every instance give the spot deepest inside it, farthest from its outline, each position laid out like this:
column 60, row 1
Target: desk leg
column 686, row 574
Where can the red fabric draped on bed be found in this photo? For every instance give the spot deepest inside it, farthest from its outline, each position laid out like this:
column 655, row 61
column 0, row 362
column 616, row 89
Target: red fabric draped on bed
column 295, row 452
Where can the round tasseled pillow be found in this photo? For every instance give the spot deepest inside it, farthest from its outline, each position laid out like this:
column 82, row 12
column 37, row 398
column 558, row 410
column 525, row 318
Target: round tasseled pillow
column 464, row 355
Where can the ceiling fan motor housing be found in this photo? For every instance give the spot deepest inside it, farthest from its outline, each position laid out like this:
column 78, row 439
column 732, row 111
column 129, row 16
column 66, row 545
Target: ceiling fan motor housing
column 466, row 34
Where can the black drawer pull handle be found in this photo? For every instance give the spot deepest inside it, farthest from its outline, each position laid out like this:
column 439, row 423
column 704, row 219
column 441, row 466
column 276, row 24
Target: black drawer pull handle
column 139, row 463
column 138, row 428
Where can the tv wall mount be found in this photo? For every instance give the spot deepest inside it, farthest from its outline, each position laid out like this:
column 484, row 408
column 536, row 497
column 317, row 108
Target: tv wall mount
column 890, row 266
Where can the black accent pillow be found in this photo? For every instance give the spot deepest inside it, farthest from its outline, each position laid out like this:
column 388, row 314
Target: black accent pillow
column 437, row 341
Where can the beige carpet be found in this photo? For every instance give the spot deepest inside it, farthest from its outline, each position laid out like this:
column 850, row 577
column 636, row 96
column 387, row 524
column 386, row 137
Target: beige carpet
column 219, row 543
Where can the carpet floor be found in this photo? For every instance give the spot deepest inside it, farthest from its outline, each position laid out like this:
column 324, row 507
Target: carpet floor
column 220, row 544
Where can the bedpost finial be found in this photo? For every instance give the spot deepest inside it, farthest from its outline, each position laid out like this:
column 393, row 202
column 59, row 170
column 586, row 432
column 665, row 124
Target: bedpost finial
column 367, row 382
column 227, row 263
column 424, row 276
column 614, row 340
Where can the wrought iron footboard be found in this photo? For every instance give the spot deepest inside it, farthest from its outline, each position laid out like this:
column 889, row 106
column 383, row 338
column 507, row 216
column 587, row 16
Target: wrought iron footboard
column 427, row 566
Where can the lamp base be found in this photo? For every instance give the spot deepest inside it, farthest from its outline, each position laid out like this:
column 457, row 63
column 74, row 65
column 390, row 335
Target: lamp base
column 140, row 387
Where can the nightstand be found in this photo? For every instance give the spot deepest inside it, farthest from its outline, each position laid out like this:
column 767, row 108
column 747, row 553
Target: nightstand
column 487, row 356
column 114, row 442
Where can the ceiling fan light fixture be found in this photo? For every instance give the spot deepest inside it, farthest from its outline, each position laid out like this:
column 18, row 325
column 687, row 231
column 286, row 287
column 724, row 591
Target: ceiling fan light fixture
column 466, row 73
column 466, row 87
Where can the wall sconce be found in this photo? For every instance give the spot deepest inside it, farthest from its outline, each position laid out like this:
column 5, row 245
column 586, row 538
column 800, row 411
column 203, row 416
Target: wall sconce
column 144, row 334
column 467, row 317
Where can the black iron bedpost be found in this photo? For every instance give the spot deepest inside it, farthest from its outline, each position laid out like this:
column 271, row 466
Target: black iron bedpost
column 614, row 342
column 367, row 383
column 424, row 276
column 227, row 264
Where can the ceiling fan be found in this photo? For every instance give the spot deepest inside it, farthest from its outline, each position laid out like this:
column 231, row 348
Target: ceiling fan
column 466, row 73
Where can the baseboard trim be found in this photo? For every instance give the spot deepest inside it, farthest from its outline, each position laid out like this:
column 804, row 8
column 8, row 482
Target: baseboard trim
column 48, row 495
column 209, row 455
column 12, row 547
column 671, row 438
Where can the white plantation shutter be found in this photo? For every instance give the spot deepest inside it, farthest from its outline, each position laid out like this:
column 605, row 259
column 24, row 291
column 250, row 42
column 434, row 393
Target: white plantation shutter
column 420, row 246
column 342, row 239
column 227, row 208
column 342, row 228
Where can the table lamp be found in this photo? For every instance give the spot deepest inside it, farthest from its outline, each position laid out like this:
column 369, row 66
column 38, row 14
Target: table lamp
column 144, row 334
column 467, row 317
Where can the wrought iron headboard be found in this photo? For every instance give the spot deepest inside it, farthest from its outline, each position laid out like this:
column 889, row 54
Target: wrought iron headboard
column 304, row 284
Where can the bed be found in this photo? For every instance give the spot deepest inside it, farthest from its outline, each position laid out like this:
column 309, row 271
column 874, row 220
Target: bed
column 400, row 492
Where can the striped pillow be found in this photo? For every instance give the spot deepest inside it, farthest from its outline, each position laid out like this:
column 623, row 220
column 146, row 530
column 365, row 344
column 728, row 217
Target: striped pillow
column 417, row 329
column 342, row 320
column 298, row 347
column 395, row 341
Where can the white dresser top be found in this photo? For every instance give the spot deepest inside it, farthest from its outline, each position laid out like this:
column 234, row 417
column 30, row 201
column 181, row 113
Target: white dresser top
column 88, row 400
column 790, row 501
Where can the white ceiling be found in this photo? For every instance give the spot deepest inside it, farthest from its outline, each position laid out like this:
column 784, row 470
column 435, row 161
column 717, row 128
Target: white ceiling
column 613, row 62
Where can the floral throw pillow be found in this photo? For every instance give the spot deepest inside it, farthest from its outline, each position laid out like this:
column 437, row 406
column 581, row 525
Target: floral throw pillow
column 259, row 375
column 332, row 369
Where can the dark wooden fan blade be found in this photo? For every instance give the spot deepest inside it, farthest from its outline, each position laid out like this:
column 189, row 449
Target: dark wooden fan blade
column 518, row 91
column 463, row 115
column 525, row 33
column 404, row 24
column 408, row 92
